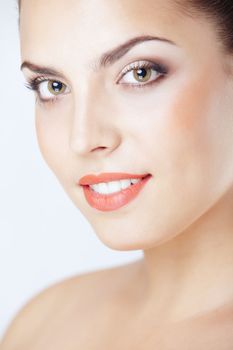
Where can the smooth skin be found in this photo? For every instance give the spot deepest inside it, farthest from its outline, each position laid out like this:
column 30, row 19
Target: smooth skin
column 179, row 129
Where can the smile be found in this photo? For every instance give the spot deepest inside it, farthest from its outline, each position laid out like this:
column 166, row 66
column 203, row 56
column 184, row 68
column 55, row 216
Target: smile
column 113, row 186
column 111, row 195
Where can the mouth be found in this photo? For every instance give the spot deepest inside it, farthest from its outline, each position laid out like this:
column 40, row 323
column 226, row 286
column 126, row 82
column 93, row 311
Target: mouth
column 110, row 191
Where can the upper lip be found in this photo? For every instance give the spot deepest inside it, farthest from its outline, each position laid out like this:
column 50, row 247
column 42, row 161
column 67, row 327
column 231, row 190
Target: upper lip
column 107, row 177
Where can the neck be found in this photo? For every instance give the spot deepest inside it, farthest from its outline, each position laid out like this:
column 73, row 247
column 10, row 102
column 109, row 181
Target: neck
column 192, row 274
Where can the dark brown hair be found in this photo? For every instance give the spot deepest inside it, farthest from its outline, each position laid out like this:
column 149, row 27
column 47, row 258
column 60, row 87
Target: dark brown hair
column 219, row 11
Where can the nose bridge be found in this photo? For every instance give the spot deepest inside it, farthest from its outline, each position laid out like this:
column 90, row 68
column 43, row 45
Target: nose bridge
column 90, row 128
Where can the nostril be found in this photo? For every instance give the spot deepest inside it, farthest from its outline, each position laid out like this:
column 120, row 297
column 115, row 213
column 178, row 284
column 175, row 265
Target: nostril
column 99, row 148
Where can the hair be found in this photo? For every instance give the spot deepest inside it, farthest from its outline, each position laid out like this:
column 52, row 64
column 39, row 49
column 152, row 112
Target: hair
column 219, row 11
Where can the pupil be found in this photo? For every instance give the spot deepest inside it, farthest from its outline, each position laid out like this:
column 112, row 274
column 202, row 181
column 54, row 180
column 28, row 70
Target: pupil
column 142, row 73
column 57, row 86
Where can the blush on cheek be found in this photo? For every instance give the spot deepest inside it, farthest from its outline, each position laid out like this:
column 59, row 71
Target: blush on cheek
column 201, row 155
column 187, row 133
column 195, row 131
column 191, row 107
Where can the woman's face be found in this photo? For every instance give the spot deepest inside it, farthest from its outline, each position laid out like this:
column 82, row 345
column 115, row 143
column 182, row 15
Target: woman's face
column 158, row 107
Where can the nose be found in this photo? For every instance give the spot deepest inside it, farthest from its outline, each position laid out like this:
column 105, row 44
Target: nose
column 93, row 128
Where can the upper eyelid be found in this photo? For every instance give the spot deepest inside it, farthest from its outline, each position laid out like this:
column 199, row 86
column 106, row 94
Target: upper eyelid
column 37, row 79
column 138, row 63
column 144, row 63
column 35, row 82
column 45, row 78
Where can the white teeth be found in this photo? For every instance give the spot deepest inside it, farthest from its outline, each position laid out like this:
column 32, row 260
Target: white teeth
column 103, row 188
column 94, row 187
column 125, row 183
column 113, row 186
column 134, row 181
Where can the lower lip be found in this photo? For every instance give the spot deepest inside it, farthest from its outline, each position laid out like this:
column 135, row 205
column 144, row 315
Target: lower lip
column 113, row 201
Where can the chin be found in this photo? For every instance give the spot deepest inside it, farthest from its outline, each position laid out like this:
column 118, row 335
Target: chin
column 125, row 241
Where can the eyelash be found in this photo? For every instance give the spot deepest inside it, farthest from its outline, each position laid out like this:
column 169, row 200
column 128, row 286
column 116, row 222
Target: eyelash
column 34, row 83
column 159, row 68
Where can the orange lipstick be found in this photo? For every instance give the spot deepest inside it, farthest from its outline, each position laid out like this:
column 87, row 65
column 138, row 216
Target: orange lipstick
column 112, row 201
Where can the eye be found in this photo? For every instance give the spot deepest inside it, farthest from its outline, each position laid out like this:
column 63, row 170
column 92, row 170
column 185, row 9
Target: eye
column 141, row 73
column 47, row 89
column 50, row 88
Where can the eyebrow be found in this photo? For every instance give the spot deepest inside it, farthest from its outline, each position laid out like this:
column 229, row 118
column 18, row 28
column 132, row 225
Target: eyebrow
column 106, row 59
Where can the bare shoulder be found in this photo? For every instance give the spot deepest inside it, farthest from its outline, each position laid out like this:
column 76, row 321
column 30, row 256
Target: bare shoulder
column 75, row 300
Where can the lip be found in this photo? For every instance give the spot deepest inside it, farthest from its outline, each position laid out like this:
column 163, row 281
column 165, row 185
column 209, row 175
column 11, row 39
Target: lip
column 113, row 201
column 107, row 177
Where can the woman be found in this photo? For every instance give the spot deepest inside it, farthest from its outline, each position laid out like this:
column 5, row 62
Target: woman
column 134, row 115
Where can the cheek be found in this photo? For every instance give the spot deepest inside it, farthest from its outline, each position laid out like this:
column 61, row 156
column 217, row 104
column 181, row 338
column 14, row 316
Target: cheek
column 185, row 130
column 182, row 139
column 192, row 146
column 52, row 140
column 198, row 122
column 182, row 130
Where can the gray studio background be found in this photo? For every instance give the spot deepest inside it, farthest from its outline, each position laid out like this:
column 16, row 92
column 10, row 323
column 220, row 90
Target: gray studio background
column 43, row 237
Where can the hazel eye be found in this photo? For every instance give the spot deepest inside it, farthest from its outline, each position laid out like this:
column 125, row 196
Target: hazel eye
column 49, row 88
column 142, row 74
column 56, row 87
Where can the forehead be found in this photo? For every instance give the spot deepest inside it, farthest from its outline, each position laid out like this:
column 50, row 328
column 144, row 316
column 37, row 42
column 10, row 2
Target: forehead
column 96, row 10
column 65, row 30
column 81, row 20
